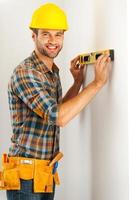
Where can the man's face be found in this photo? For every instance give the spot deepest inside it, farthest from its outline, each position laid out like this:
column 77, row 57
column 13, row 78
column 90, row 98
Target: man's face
column 49, row 42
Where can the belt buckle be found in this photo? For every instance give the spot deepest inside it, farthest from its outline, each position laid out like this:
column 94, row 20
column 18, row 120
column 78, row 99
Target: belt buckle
column 26, row 161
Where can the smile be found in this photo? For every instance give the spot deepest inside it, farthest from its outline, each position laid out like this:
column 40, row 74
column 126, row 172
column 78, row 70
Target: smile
column 52, row 47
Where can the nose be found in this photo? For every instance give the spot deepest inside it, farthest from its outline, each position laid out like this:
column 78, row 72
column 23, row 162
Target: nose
column 52, row 39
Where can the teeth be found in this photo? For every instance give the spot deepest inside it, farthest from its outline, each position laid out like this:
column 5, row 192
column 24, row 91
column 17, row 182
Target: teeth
column 51, row 47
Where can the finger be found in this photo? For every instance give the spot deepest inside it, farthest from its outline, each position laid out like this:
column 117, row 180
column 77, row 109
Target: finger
column 82, row 67
column 75, row 64
column 109, row 60
column 99, row 60
column 106, row 65
column 105, row 57
column 75, row 59
column 79, row 66
column 104, row 60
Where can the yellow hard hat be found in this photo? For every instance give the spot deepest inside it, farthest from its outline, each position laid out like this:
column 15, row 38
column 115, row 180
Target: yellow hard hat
column 49, row 16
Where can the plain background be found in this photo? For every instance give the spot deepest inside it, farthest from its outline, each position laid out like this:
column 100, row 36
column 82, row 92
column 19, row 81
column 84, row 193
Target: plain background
column 95, row 143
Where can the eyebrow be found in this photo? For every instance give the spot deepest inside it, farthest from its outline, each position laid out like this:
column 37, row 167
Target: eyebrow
column 59, row 32
column 44, row 32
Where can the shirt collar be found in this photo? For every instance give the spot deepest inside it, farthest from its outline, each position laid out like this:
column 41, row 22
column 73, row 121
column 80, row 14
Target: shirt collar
column 41, row 66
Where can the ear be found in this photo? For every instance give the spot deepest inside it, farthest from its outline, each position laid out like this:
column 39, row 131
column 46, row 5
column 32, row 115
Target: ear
column 33, row 36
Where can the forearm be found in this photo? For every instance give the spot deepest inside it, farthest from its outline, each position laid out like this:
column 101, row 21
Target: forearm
column 72, row 92
column 72, row 107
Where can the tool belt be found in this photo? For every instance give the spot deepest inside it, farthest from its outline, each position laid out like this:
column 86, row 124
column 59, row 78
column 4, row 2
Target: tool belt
column 41, row 171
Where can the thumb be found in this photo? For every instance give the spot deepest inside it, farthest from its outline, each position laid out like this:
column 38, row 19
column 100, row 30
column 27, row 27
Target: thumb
column 82, row 67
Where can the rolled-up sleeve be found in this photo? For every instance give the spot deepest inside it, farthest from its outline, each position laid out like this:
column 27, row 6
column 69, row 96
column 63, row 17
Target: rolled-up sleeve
column 35, row 93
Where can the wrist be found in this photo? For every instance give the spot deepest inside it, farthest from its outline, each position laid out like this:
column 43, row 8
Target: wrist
column 77, row 86
column 77, row 83
column 98, row 84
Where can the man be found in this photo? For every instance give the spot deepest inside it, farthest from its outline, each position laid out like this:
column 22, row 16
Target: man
column 35, row 98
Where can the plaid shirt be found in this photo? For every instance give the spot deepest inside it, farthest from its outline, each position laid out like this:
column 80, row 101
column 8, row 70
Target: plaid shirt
column 34, row 95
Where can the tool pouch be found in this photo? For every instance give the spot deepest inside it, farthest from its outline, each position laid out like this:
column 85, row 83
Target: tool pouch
column 43, row 178
column 26, row 171
column 1, row 181
column 10, row 177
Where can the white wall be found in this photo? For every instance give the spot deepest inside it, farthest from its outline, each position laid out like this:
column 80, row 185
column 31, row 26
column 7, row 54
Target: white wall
column 95, row 142
column 130, row 96
column 109, row 109
column 76, row 137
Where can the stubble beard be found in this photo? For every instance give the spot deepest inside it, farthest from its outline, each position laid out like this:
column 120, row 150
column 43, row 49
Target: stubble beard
column 44, row 52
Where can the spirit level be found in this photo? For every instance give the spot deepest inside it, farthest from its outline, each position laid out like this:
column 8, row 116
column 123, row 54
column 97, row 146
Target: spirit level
column 90, row 58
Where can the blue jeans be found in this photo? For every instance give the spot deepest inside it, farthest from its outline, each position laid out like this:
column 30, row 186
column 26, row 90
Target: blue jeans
column 26, row 193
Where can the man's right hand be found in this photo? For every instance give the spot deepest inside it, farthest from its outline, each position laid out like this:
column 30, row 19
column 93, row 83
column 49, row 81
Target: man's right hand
column 102, row 69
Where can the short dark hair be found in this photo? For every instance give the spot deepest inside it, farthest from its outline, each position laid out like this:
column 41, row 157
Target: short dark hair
column 35, row 30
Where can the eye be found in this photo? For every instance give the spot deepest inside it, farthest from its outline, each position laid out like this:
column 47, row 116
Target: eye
column 45, row 34
column 59, row 34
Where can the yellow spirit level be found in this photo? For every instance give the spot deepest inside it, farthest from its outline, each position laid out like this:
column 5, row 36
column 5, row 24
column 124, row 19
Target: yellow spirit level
column 90, row 58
